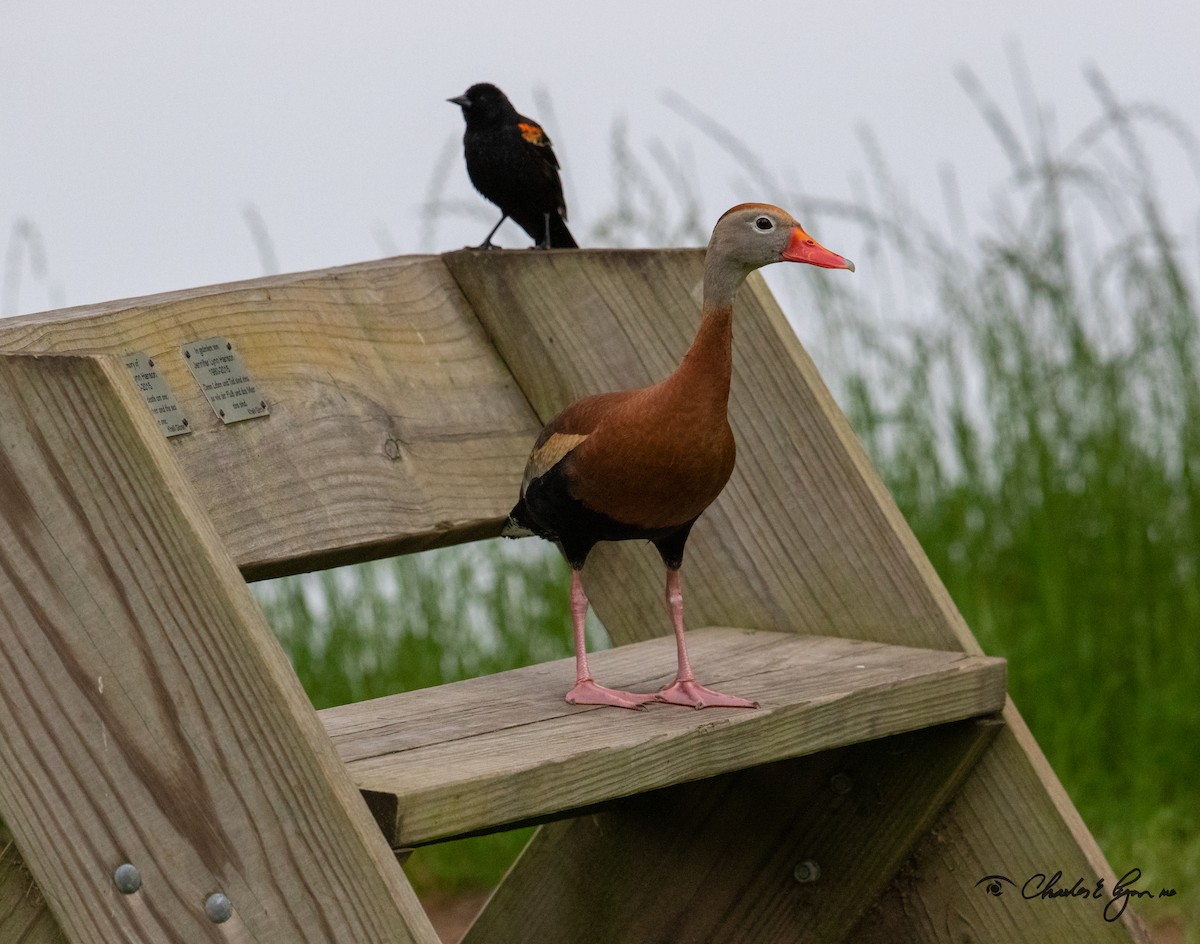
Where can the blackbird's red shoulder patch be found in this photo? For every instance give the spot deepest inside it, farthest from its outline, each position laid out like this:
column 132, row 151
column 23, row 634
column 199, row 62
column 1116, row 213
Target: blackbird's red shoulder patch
column 533, row 134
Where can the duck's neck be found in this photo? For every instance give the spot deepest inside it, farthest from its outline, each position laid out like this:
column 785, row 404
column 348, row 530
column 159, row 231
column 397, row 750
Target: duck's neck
column 707, row 366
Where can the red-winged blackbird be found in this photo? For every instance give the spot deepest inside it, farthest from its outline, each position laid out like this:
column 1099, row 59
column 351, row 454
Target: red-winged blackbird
column 510, row 161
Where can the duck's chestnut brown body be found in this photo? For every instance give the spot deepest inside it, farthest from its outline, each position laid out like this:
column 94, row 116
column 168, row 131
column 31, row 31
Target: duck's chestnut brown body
column 638, row 463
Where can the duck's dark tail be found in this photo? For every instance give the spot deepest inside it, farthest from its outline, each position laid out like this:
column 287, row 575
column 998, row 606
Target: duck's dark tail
column 517, row 525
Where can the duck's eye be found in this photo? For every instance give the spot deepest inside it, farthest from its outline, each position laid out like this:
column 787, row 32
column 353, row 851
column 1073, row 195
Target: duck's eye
column 764, row 223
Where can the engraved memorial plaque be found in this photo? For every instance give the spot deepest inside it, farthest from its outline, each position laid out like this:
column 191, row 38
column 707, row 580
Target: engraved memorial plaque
column 218, row 369
column 158, row 396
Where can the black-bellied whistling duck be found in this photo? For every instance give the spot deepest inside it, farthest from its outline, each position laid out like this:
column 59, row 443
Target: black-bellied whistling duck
column 646, row 463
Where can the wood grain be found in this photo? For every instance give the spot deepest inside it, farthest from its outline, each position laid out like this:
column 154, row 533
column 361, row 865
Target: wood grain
column 24, row 917
column 734, row 880
column 507, row 748
column 147, row 714
column 805, row 537
column 926, row 901
column 393, row 425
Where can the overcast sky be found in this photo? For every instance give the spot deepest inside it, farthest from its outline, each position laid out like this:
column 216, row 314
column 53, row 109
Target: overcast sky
column 134, row 134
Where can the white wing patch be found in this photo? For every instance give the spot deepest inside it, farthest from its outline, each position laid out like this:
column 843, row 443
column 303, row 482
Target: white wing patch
column 546, row 456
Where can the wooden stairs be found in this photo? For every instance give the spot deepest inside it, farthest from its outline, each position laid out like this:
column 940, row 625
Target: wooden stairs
column 149, row 718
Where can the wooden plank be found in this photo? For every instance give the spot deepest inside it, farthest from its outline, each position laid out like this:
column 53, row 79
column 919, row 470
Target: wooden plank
column 503, row 749
column 393, row 424
column 928, row 903
column 147, row 714
column 805, row 538
column 735, row 880
column 24, row 916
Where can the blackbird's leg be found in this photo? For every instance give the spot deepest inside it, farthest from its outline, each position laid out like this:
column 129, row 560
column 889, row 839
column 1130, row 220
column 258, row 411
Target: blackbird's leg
column 685, row 690
column 545, row 243
column 487, row 241
column 586, row 691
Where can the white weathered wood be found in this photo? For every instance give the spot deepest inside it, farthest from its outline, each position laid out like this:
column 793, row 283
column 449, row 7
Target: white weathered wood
column 506, row 748
column 393, row 426
column 368, row 458
column 927, row 902
column 852, row 814
column 147, row 714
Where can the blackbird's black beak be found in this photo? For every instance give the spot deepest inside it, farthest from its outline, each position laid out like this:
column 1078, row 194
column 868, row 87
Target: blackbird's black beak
column 460, row 100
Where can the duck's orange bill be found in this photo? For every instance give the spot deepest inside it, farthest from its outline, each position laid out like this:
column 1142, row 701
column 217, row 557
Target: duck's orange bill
column 803, row 248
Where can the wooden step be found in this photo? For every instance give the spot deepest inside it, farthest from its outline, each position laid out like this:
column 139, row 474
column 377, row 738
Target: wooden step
column 506, row 749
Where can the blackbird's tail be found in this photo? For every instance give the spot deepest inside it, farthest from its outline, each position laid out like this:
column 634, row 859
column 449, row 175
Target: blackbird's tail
column 560, row 236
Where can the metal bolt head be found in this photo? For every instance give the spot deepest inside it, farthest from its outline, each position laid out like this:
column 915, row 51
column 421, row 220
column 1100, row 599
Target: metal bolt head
column 218, row 907
column 807, row 872
column 841, row 784
column 127, row 879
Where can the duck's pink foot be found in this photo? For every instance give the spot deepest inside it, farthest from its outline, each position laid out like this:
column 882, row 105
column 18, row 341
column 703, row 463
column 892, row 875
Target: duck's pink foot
column 692, row 694
column 588, row 692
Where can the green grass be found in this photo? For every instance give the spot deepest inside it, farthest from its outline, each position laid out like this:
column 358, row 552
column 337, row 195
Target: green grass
column 1036, row 414
column 1040, row 430
column 412, row 622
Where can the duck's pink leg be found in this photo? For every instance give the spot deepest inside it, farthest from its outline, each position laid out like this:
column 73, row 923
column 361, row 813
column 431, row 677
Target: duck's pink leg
column 685, row 690
column 586, row 691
